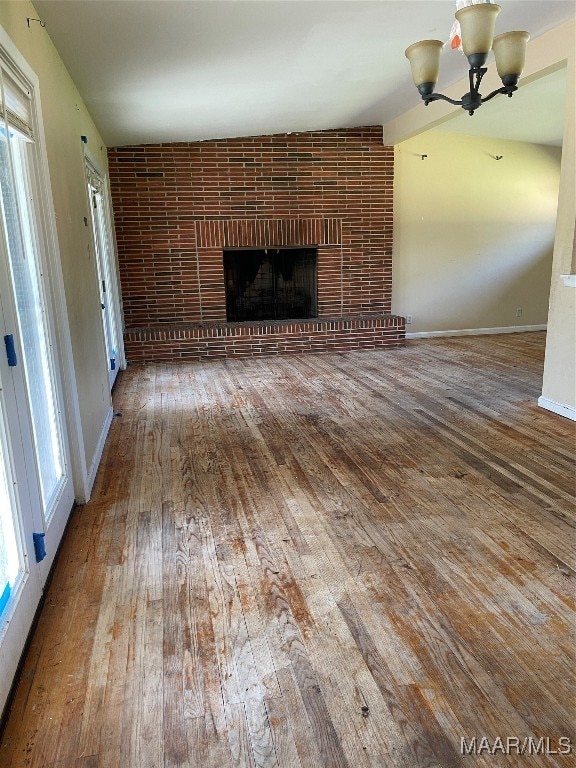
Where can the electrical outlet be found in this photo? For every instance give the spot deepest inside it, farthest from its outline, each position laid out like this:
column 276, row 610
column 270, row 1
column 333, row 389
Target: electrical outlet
column 408, row 319
column 519, row 312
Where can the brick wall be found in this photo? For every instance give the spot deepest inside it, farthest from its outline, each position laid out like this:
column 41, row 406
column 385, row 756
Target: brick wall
column 176, row 206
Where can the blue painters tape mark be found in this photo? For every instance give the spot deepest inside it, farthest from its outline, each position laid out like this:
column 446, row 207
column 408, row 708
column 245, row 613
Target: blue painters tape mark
column 39, row 546
column 5, row 597
column 10, row 350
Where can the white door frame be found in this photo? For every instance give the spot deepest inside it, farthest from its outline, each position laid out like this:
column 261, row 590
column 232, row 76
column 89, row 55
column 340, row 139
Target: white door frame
column 113, row 295
column 22, row 456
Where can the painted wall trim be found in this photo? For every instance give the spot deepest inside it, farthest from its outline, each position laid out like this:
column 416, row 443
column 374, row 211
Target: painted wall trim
column 562, row 410
column 99, row 450
column 477, row 331
column 569, row 280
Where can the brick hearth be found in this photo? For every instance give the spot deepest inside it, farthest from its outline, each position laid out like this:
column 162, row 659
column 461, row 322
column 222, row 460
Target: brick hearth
column 264, row 338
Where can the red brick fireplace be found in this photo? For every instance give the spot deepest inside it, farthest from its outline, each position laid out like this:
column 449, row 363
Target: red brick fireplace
column 178, row 207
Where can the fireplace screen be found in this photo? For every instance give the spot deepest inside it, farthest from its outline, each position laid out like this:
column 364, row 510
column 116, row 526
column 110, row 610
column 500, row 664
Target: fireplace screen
column 270, row 284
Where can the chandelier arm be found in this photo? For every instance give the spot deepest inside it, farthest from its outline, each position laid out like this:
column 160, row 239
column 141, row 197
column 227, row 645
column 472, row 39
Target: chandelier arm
column 507, row 89
column 440, row 96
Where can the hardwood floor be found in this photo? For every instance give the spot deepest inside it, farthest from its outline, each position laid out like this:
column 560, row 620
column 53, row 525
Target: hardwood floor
column 329, row 560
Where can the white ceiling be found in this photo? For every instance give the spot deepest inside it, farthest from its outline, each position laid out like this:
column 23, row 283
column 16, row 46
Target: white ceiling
column 184, row 70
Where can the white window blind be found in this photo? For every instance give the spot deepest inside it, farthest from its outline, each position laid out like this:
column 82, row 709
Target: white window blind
column 16, row 104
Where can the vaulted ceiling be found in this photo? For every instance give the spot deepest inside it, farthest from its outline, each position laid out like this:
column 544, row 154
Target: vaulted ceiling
column 185, row 70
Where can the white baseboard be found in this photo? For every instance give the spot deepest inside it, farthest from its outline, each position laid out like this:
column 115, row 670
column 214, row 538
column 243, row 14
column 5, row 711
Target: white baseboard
column 98, row 454
column 477, row 331
column 562, row 410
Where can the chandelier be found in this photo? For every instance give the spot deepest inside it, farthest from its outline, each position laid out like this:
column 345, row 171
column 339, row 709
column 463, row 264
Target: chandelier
column 477, row 33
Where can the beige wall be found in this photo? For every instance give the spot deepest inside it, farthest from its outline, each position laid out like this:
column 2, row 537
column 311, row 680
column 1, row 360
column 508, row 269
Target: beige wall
column 559, row 386
column 65, row 120
column 473, row 235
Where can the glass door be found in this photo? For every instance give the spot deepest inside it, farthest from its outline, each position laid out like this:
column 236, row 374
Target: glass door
column 20, row 580
column 28, row 321
column 36, row 490
column 23, row 250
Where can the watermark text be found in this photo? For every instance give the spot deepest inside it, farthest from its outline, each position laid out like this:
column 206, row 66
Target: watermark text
column 515, row 745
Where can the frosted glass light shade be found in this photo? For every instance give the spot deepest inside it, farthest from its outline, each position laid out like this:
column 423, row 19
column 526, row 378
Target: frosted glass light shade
column 477, row 24
column 510, row 53
column 424, row 58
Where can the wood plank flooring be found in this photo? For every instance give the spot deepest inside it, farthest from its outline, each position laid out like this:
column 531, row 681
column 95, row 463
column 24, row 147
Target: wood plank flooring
column 336, row 561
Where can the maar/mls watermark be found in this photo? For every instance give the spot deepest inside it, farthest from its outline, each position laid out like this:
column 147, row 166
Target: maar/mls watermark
column 515, row 745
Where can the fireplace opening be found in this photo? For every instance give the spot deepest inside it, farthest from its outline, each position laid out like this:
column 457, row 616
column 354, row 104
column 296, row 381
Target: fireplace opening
column 270, row 284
